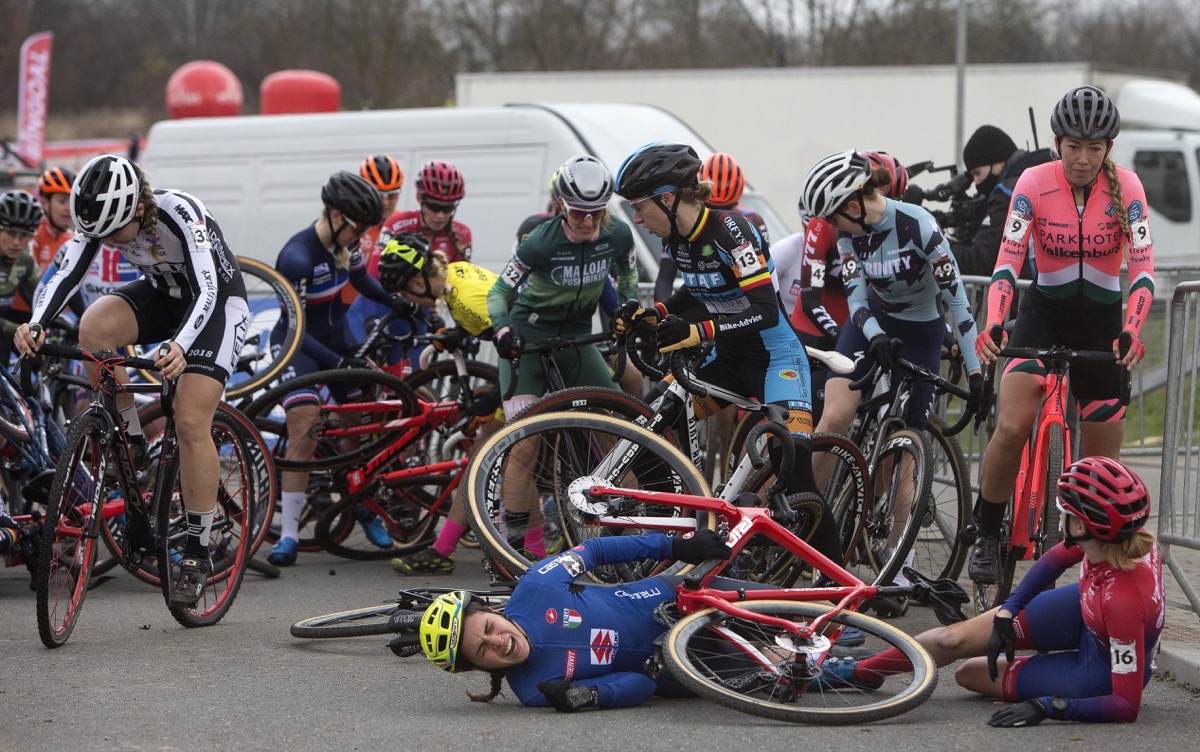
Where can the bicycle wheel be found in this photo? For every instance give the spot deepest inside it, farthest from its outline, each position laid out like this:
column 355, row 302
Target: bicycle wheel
column 67, row 548
column 235, row 527
column 903, row 475
column 359, row 413
column 529, row 464
column 270, row 298
column 748, row 665
column 16, row 422
column 1055, row 459
column 405, row 510
column 357, row 622
column 938, row 550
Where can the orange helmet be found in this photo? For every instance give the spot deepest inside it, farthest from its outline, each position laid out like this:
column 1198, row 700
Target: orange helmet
column 727, row 179
column 55, row 180
column 383, row 172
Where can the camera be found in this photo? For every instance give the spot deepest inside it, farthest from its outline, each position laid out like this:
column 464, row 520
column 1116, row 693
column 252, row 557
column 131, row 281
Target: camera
column 966, row 213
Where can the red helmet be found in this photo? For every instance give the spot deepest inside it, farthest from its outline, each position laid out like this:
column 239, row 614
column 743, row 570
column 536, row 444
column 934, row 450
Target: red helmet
column 1108, row 498
column 899, row 182
column 441, row 181
column 383, row 172
column 55, row 180
column 727, row 179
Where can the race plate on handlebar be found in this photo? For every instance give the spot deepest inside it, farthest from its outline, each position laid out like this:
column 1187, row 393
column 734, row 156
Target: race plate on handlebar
column 577, row 492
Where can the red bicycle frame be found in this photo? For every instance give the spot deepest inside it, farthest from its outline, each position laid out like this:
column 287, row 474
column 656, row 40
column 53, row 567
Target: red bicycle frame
column 1031, row 492
column 744, row 523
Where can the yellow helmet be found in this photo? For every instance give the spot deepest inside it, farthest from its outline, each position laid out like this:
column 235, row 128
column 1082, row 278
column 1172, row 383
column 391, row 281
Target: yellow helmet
column 441, row 629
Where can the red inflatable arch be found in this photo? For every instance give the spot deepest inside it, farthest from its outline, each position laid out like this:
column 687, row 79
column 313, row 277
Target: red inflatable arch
column 203, row 88
column 296, row 91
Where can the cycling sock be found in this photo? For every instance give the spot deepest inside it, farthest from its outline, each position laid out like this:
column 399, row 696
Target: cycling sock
column 129, row 415
column 825, row 538
column 515, row 524
column 988, row 516
column 535, row 544
column 448, row 539
column 199, row 527
column 900, row 579
column 293, row 504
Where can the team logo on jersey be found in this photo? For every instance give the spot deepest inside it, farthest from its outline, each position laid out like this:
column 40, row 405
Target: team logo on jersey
column 788, row 374
column 707, row 250
column 551, row 615
column 1021, row 205
column 569, row 666
column 604, row 646
column 571, row 618
column 1136, row 211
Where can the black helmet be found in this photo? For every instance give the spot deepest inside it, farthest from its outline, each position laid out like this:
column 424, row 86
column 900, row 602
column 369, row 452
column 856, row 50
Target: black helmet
column 404, row 257
column 19, row 210
column 354, row 197
column 657, row 168
column 1085, row 112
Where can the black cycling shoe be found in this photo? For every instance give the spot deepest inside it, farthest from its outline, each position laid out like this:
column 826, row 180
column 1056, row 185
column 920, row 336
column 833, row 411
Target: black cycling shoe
column 189, row 582
column 984, row 566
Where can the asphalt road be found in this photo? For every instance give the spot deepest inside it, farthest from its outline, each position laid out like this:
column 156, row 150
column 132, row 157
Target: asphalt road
column 130, row 678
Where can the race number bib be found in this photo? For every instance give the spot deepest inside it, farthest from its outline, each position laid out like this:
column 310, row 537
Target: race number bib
column 1124, row 656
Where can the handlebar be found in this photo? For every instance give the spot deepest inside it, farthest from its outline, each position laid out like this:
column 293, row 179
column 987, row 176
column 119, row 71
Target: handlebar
column 921, row 373
column 545, row 348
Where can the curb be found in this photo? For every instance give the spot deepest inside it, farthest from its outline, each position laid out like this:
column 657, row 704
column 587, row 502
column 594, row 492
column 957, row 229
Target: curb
column 1180, row 663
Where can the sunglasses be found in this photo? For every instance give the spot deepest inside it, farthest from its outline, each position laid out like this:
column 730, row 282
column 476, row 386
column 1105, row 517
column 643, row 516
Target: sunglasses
column 22, row 235
column 580, row 215
column 437, row 208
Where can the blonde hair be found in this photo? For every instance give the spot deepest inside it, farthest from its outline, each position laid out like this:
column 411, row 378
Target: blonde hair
column 700, row 191
column 1126, row 554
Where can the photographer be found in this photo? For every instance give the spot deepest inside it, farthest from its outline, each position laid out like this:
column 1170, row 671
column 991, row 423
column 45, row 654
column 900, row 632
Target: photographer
column 994, row 163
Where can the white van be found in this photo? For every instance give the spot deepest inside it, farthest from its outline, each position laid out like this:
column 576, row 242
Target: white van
column 261, row 176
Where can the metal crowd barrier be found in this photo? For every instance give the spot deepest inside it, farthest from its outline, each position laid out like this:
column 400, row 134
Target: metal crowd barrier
column 1179, row 487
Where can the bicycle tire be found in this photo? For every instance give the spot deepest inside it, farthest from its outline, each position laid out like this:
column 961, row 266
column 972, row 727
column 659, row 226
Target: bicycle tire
column 67, row 549
column 659, row 466
column 406, row 513
column 1055, row 460
column 719, row 656
column 391, row 397
column 887, row 560
column 268, row 293
column 356, row 622
column 939, row 550
column 16, row 421
column 234, row 530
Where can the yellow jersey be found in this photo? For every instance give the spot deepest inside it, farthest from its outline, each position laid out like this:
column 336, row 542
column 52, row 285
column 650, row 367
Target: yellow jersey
column 466, row 295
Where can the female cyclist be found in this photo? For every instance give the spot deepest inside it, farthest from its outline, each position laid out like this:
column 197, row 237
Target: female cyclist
column 191, row 296
column 898, row 272
column 1094, row 638
column 727, row 296
column 20, row 215
column 407, row 266
column 1086, row 217
column 561, row 268
column 535, row 644
column 808, row 271
column 384, row 173
column 54, row 190
column 319, row 261
column 440, row 186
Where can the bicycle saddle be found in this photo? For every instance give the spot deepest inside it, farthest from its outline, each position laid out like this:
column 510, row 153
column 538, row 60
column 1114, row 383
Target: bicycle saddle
column 833, row 361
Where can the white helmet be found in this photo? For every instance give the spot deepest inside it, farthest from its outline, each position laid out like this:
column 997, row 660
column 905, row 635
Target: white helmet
column 584, row 182
column 104, row 198
column 832, row 180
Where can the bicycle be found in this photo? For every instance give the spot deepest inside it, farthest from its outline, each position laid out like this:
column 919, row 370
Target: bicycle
column 81, row 499
column 763, row 651
column 400, row 615
column 568, row 446
column 900, row 461
column 1031, row 524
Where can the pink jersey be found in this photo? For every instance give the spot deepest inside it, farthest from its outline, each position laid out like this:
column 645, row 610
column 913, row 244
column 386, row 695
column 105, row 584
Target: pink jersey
column 456, row 248
column 1075, row 254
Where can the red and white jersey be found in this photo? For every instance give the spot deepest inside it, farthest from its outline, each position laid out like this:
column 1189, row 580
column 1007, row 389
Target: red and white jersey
column 454, row 241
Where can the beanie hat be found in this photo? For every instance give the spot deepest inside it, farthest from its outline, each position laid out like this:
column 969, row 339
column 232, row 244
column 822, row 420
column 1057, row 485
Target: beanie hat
column 987, row 145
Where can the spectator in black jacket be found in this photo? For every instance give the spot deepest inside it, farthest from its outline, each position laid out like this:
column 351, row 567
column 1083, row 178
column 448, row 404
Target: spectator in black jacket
column 995, row 163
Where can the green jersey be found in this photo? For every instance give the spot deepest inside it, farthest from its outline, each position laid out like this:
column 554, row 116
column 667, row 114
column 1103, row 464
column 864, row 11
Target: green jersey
column 563, row 279
column 18, row 281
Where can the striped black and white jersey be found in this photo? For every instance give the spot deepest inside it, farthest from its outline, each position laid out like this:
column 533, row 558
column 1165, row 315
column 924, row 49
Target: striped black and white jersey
column 185, row 257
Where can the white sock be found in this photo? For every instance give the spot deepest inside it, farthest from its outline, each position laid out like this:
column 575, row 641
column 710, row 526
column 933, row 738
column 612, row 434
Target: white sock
column 900, row 579
column 129, row 415
column 292, row 503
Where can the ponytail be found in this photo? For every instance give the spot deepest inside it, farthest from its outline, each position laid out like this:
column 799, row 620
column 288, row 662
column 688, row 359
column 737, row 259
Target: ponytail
column 1110, row 171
